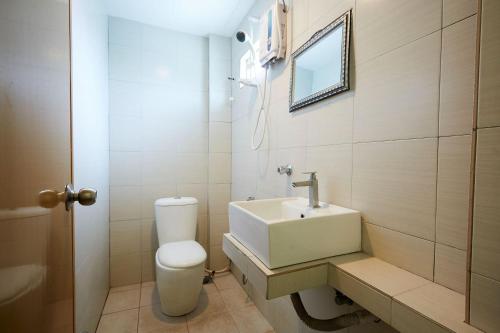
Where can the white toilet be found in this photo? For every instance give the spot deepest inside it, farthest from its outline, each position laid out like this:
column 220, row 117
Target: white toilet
column 180, row 260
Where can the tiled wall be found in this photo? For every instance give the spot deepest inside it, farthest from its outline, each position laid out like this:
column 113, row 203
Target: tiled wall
column 485, row 277
column 90, row 159
column 396, row 146
column 219, row 148
column 158, row 137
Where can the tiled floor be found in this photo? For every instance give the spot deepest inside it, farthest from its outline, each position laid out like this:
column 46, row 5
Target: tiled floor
column 223, row 308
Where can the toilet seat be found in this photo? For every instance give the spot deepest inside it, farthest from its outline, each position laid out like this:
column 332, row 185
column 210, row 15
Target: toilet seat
column 183, row 254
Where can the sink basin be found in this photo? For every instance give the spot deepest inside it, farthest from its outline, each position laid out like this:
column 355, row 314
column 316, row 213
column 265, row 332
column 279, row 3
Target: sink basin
column 286, row 231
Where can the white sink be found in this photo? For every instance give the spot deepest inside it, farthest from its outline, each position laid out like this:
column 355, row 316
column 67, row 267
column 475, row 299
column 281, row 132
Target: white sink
column 285, row 231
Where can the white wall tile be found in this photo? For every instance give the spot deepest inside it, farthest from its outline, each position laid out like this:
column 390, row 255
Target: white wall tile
column 125, row 203
column 394, row 185
column 127, row 168
column 219, row 168
column 125, row 134
column 158, row 167
column 124, row 98
column 125, row 32
column 220, row 137
column 123, row 63
column 397, row 94
column 219, row 196
column 192, row 168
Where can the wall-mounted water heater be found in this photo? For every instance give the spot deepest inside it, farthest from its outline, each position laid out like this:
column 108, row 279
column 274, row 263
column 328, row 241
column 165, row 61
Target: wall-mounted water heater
column 272, row 43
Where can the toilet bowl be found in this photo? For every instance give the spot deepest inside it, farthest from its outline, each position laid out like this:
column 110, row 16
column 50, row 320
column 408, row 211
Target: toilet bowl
column 180, row 260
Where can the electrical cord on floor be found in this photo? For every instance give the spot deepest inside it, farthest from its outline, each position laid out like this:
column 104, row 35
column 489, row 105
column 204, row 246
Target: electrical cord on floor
column 211, row 273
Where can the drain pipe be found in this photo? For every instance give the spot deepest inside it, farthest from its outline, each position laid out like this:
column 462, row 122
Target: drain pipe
column 333, row 324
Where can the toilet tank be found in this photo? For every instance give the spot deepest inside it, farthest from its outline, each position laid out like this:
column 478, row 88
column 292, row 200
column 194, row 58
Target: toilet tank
column 176, row 219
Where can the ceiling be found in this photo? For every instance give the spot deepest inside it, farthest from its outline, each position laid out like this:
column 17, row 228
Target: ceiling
column 199, row 17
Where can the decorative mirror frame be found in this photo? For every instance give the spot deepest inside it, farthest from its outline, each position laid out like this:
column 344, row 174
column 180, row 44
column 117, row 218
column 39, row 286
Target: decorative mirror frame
column 343, row 85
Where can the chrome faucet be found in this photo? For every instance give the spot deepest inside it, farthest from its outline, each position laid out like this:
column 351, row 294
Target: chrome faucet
column 312, row 183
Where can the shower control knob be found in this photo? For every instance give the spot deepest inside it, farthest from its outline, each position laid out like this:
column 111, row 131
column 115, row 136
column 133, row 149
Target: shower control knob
column 51, row 198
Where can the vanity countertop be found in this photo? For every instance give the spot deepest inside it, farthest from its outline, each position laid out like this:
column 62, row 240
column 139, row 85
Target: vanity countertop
column 400, row 298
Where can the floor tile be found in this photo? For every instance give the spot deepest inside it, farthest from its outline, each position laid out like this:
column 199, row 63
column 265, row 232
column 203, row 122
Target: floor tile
column 149, row 295
column 219, row 322
column 250, row 320
column 210, row 288
column 208, row 305
column 152, row 320
column 119, row 322
column 226, row 281
column 125, row 288
column 123, row 300
column 235, row 298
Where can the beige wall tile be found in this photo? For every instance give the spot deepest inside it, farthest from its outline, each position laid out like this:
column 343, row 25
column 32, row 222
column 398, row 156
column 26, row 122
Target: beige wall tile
column 125, row 269
column 453, row 191
column 382, row 26
column 455, row 10
column 410, row 253
column 218, row 259
column 489, row 66
column 330, row 122
column 149, row 236
column 148, row 266
column 485, row 303
column 457, row 78
column 450, row 268
column 486, row 231
column 125, row 237
column 397, row 94
column 405, row 319
column 370, row 299
column 394, row 185
column 334, row 167
column 219, row 225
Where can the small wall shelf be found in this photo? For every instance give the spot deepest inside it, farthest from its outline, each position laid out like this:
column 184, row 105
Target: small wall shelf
column 406, row 301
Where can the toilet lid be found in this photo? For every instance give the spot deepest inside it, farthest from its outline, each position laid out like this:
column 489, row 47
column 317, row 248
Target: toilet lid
column 181, row 254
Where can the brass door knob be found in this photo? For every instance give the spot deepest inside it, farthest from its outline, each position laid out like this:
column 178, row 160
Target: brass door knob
column 51, row 198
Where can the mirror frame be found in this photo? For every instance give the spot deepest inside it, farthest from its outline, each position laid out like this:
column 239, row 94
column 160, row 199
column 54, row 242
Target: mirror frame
column 343, row 85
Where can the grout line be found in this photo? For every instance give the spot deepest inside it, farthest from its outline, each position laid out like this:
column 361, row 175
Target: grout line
column 437, row 143
column 398, row 231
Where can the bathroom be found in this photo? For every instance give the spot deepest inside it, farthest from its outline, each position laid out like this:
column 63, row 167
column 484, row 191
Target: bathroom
column 251, row 166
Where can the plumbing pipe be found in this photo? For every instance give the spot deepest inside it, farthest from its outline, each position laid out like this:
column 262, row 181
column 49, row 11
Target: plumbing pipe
column 333, row 324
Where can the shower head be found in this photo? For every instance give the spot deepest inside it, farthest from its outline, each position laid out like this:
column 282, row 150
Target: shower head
column 242, row 36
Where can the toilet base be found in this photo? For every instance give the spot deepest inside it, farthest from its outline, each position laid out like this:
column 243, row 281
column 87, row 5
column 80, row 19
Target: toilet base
column 179, row 288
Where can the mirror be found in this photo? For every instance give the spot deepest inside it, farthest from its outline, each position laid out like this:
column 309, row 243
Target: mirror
column 320, row 67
